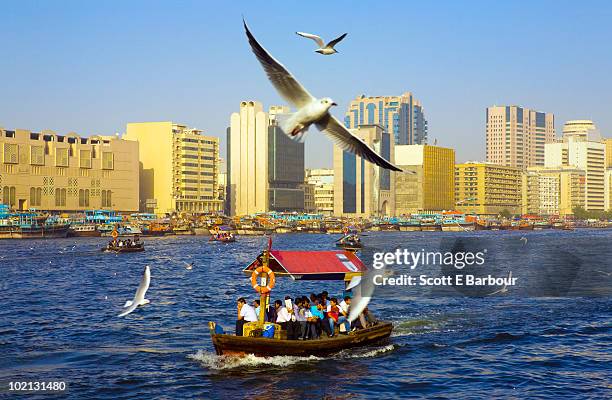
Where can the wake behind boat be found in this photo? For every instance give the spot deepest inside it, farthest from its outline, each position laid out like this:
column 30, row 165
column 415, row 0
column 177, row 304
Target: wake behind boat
column 271, row 339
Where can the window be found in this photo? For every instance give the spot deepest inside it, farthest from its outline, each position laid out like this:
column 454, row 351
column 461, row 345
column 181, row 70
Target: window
column 61, row 157
column 37, row 155
column 60, row 197
column 8, row 196
column 83, row 198
column 107, row 160
column 11, row 153
column 35, row 197
column 85, row 158
column 106, row 198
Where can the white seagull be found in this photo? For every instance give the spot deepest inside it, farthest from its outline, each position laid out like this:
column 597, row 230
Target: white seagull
column 325, row 49
column 310, row 110
column 139, row 297
column 504, row 288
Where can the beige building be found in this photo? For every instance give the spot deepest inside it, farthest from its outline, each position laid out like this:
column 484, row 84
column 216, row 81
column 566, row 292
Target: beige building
column 608, row 143
column 179, row 168
column 516, row 136
column 552, row 191
column 322, row 180
column 363, row 189
column 432, row 186
column 51, row 172
column 578, row 130
column 265, row 166
column 487, row 189
column 309, row 198
column 588, row 155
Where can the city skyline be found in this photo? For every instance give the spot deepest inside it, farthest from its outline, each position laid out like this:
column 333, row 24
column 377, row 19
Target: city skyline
column 97, row 67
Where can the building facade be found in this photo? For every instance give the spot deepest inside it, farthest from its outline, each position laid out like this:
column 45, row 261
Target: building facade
column 363, row 189
column 402, row 116
column 516, row 136
column 487, row 189
column 179, row 168
column 265, row 169
column 51, row 172
column 553, row 191
column 322, row 180
column 586, row 155
column 432, row 186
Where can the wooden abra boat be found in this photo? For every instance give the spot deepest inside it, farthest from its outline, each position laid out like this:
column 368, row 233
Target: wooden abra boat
column 350, row 243
column 125, row 249
column 241, row 345
column 297, row 265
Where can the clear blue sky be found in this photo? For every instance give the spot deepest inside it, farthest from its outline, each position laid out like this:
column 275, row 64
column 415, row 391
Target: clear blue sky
column 91, row 67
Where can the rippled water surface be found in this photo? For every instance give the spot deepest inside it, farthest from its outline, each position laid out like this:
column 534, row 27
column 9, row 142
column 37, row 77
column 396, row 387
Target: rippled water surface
column 548, row 337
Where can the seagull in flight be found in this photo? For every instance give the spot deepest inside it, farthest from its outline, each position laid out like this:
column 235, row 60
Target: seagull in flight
column 311, row 110
column 325, row 49
column 504, row 288
column 139, row 297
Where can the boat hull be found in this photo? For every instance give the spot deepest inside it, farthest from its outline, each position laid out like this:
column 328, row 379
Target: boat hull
column 241, row 345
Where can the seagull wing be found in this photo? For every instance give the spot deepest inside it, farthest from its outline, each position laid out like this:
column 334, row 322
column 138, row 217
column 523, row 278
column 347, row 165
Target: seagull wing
column 336, row 40
column 143, row 287
column 140, row 292
column 286, row 85
column 349, row 142
column 316, row 38
column 128, row 310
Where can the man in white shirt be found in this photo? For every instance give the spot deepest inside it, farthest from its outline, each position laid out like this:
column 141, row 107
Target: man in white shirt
column 246, row 313
column 286, row 319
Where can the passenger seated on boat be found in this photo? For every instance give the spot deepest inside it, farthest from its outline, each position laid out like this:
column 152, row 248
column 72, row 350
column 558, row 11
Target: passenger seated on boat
column 336, row 317
column 321, row 323
column 256, row 307
column 300, row 317
column 246, row 313
column 366, row 319
column 286, row 319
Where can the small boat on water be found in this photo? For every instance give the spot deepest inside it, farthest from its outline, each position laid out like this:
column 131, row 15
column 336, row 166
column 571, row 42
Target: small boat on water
column 131, row 248
column 350, row 242
column 83, row 230
column 298, row 265
column 220, row 236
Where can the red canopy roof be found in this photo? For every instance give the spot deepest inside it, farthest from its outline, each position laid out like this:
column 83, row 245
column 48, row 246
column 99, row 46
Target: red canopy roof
column 313, row 265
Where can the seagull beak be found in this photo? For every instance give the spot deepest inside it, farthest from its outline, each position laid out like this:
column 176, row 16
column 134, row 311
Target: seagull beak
column 334, row 104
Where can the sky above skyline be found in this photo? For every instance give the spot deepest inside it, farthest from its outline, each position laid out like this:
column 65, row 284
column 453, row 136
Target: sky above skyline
column 92, row 67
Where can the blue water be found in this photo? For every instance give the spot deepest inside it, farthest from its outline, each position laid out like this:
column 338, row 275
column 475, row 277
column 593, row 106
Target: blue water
column 548, row 337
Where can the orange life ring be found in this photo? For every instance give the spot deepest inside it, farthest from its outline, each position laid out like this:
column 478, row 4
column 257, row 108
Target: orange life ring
column 271, row 281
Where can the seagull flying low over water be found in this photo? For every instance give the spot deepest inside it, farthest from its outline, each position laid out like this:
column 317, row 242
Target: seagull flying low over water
column 139, row 297
column 310, row 110
column 325, row 49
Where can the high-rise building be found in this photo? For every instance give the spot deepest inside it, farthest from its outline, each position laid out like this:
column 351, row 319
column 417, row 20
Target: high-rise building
column 608, row 143
column 432, row 186
column 309, row 197
column 588, row 154
column 51, row 172
column 265, row 167
column 322, row 180
column 552, row 191
column 179, row 168
column 363, row 189
column 402, row 116
column 516, row 136
column 487, row 189
column 578, row 129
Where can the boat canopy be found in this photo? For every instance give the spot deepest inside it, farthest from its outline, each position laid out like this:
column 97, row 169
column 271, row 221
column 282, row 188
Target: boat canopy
column 335, row 265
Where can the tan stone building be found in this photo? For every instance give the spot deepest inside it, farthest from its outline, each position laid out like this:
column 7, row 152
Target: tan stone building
column 516, row 136
column 487, row 189
column 432, row 186
column 179, row 168
column 363, row 189
column 51, row 172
